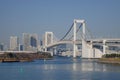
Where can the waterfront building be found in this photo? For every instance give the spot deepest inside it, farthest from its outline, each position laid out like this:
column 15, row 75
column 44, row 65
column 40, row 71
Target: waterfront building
column 20, row 47
column 26, row 41
column 30, row 42
column 14, row 43
column 1, row 47
column 43, row 40
column 34, row 40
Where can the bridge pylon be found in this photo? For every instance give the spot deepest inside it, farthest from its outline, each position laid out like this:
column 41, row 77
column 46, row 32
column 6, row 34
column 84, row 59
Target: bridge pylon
column 76, row 21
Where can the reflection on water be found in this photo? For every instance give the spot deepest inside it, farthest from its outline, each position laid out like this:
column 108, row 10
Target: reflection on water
column 82, row 65
column 74, row 67
column 49, row 67
column 59, row 68
column 91, row 66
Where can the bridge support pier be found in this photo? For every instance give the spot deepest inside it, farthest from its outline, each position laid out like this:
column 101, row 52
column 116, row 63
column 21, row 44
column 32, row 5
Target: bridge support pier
column 74, row 39
column 54, row 50
column 104, row 47
column 87, row 50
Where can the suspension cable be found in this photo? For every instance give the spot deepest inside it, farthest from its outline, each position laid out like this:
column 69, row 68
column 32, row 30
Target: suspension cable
column 67, row 32
column 77, row 30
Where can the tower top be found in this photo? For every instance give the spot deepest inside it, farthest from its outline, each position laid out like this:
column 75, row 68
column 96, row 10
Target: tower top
column 78, row 21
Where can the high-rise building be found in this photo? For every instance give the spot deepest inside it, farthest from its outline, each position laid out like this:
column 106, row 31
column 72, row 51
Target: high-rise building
column 26, row 41
column 30, row 42
column 1, row 46
column 34, row 40
column 48, row 39
column 20, row 47
column 14, row 43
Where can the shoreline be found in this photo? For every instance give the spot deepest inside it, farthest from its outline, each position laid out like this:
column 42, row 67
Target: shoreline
column 110, row 60
column 24, row 57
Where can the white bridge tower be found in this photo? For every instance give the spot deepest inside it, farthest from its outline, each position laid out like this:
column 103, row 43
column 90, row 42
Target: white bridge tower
column 75, row 36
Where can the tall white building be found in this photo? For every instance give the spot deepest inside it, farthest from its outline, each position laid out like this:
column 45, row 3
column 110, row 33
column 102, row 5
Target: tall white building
column 14, row 43
column 48, row 39
column 30, row 42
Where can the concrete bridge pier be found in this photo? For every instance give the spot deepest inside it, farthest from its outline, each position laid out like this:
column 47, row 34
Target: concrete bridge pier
column 74, row 39
column 104, row 47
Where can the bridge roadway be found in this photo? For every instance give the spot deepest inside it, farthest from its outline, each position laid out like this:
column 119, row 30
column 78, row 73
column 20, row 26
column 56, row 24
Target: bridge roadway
column 109, row 42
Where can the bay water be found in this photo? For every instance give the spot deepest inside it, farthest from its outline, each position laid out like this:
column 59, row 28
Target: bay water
column 59, row 68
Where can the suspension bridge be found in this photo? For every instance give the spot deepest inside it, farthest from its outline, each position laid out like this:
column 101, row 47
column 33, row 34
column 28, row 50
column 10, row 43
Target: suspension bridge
column 80, row 34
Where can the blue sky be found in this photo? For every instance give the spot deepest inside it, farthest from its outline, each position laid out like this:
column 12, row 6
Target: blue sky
column 37, row 16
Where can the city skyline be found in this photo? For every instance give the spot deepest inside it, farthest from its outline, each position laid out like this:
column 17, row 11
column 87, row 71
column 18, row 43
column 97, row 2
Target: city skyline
column 17, row 17
column 28, row 42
